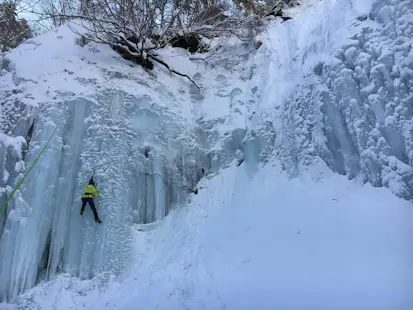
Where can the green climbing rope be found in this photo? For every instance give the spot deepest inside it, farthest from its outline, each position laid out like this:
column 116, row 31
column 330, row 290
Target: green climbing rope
column 28, row 171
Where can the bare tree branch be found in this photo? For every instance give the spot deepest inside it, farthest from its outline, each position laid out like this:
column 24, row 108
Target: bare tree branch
column 172, row 70
column 137, row 28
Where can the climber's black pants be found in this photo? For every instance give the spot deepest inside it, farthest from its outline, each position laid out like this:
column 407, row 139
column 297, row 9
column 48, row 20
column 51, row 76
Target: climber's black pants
column 91, row 204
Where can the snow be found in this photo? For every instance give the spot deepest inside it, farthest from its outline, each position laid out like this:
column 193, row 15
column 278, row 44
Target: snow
column 263, row 141
column 16, row 143
column 318, row 241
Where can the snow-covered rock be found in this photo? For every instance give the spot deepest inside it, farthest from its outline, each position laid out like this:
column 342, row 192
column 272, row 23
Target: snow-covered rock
column 355, row 110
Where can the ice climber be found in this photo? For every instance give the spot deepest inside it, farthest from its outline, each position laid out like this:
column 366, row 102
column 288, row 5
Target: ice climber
column 90, row 192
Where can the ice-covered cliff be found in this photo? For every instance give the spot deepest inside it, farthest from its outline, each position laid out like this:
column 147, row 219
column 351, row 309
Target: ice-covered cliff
column 334, row 84
column 148, row 138
column 352, row 101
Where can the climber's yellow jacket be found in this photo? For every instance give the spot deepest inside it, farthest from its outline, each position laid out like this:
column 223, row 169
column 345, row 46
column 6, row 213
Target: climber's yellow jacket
column 90, row 191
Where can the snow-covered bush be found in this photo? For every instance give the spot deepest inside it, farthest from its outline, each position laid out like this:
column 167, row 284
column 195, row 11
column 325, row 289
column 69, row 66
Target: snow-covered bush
column 265, row 7
column 136, row 29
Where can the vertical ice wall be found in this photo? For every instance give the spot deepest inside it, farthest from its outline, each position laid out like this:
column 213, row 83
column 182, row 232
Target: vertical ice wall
column 20, row 250
column 370, row 93
column 350, row 96
column 142, row 166
column 44, row 233
column 15, row 135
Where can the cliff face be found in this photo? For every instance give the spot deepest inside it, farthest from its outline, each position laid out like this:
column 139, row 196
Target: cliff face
column 147, row 138
column 337, row 90
column 353, row 109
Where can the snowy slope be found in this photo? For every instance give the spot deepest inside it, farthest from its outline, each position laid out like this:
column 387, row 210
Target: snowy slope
column 330, row 86
column 316, row 242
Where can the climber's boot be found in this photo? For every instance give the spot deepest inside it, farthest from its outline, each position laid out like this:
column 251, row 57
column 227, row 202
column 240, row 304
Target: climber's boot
column 97, row 220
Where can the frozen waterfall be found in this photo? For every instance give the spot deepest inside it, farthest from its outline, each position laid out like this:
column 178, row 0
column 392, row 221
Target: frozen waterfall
column 353, row 108
column 337, row 90
column 144, row 159
column 142, row 168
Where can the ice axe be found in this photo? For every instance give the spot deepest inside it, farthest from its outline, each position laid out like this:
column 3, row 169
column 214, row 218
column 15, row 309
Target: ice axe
column 93, row 173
